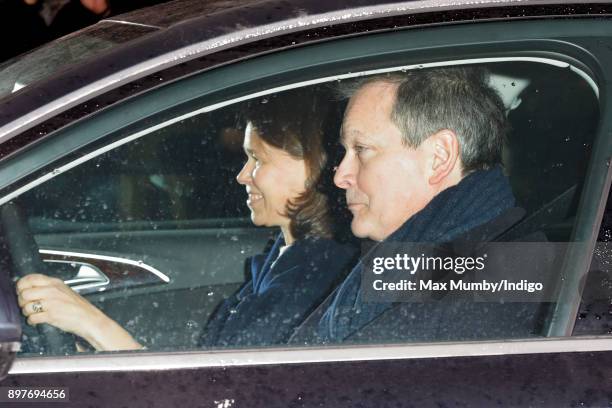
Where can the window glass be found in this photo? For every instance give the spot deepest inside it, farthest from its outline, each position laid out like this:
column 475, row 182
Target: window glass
column 178, row 231
column 168, row 201
column 171, row 176
column 595, row 314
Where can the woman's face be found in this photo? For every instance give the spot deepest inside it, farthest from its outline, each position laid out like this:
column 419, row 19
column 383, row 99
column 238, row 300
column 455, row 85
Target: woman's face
column 272, row 177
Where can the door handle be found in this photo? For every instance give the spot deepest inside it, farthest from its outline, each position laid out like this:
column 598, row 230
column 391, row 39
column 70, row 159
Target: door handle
column 88, row 279
column 87, row 276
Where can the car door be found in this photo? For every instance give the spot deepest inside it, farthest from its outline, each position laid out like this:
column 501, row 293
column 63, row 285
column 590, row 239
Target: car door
column 153, row 189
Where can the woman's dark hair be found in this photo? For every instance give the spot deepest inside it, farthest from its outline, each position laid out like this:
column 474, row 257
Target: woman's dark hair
column 293, row 121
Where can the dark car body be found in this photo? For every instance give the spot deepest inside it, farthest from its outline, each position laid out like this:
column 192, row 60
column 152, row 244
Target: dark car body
column 162, row 60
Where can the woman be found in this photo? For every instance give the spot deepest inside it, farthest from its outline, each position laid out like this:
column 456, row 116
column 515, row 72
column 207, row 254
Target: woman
column 282, row 176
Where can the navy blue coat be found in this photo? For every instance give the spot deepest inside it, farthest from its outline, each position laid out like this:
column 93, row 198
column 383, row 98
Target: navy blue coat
column 283, row 291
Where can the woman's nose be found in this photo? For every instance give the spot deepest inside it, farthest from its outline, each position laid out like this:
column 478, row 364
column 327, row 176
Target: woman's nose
column 246, row 174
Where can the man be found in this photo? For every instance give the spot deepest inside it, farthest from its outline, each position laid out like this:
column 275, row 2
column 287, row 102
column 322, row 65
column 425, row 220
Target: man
column 422, row 164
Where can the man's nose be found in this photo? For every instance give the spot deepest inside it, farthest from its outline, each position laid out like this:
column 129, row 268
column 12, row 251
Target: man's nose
column 245, row 175
column 344, row 176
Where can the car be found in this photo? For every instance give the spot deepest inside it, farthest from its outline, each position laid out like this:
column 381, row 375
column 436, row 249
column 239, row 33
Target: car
column 119, row 147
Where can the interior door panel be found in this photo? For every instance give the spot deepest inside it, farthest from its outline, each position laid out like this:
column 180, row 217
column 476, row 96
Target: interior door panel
column 204, row 266
column 190, row 258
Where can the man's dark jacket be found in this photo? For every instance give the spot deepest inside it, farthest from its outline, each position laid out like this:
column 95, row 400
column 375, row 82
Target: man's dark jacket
column 479, row 209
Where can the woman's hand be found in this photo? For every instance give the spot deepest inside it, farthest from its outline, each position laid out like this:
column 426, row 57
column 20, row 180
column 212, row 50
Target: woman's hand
column 61, row 306
column 44, row 299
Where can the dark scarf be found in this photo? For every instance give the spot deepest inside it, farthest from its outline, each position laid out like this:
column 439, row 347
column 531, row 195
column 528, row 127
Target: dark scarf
column 477, row 199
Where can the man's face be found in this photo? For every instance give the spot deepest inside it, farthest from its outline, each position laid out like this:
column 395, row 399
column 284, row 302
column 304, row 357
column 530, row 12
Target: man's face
column 386, row 182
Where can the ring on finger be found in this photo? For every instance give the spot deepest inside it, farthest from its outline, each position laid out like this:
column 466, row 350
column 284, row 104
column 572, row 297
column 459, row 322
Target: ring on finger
column 37, row 307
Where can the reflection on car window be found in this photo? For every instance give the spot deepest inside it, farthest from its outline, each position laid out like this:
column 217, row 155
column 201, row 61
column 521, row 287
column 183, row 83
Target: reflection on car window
column 239, row 237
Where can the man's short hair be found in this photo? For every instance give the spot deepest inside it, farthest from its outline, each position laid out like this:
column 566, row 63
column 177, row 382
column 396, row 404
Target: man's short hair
column 455, row 98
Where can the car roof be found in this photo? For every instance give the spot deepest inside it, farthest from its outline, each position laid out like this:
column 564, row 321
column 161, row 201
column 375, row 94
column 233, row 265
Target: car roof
column 184, row 30
column 166, row 14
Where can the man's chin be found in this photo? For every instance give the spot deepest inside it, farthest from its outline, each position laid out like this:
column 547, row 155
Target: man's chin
column 359, row 229
column 364, row 230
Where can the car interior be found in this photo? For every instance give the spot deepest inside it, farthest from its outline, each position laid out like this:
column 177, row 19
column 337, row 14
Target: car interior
column 170, row 201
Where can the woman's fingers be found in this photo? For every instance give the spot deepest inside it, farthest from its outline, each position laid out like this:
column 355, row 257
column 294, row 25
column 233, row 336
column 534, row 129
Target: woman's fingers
column 35, row 307
column 36, row 280
column 38, row 318
column 32, row 294
column 49, row 300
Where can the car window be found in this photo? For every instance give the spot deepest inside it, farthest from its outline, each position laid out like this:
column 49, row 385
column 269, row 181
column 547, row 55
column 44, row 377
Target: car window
column 168, row 177
column 595, row 313
column 155, row 231
column 168, row 201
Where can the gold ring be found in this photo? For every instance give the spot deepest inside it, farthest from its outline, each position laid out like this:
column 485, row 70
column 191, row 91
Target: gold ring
column 37, row 307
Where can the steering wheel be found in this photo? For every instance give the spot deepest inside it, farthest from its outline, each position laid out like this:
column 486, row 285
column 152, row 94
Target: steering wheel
column 26, row 260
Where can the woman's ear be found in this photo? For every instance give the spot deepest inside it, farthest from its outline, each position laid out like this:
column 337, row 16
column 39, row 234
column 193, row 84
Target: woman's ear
column 445, row 163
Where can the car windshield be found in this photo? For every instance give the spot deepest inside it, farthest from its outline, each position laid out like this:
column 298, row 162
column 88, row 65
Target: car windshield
column 60, row 54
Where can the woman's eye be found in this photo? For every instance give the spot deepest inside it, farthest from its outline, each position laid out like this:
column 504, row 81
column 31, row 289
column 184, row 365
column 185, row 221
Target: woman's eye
column 257, row 161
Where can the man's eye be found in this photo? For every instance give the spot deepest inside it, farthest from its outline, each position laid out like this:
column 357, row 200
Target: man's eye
column 360, row 149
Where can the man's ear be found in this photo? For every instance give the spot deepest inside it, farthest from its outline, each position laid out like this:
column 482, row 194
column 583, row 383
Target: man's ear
column 445, row 149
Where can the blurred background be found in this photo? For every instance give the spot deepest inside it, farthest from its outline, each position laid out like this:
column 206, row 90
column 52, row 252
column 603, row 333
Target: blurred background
column 27, row 24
